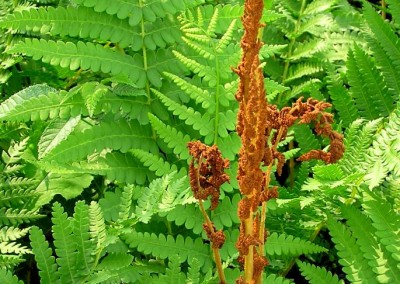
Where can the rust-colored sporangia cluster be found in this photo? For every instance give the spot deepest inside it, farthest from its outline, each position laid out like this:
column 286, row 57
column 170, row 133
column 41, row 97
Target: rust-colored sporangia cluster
column 206, row 174
column 261, row 127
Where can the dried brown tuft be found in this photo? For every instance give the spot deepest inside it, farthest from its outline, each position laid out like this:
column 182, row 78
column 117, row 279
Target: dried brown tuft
column 206, row 171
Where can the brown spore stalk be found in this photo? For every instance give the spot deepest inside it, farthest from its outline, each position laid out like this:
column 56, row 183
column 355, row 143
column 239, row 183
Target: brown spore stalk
column 251, row 127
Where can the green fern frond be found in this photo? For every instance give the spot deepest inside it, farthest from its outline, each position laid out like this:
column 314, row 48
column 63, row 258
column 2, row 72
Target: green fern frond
column 187, row 114
column 14, row 197
column 343, row 102
column 317, row 275
column 167, row 246
column 199, row 95
column 318, row 6
column 82, row 55
column 175, row 139
column 82, row 237
column 307, row 49
column 13, row 248
column 12, row 233
column 74, row 22
column 10, row 216
column 138, row 10
column 225, row 215
column 40, row 102
column 378, row 259
column 276, row 279
column 394, row 9
column 202, row 71
column 65, row 246
column 367, row 86
column 351, row 257
column 154, row 162
column 97, row 228
column 303, row 69
column 126, row 203
column 226, row 38
column 55, row 132
column 385, row 221
column 8, row 277
column 44, row 257
column 115, row 166
column 289, row 245
column 193, row 275
column 10, row 260
column 383, row 155
column 123, row 137
column 162, row 195
column 188, row 215
column 305, row 138
column 358, row 139
column 385, row 44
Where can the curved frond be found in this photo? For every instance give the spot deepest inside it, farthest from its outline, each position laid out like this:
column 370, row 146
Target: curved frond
column 317, row 275
column 351, row 257
column 122, row 136
column 82, row 55
column 166, row 246
column 44, row 256
column 71, row 21
column 289, row 245
column 385, row 221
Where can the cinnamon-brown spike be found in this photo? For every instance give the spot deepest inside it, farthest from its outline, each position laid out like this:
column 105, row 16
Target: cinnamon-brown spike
column 206, row 171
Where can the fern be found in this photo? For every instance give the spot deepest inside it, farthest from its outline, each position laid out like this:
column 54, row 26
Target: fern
column 78, row 146
column 367, row 85
column 288, row 245
column 43, row 255
column 166, row 246
column 385, row 222
column 351, row 258
column 383, row 154
column 317, row 274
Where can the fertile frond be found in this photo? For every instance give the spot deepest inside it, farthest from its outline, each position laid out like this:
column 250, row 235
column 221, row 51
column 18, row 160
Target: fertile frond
column 44, row 257
column 289, row 245
column 317, row 275
column 122, row 136
column 166, row 246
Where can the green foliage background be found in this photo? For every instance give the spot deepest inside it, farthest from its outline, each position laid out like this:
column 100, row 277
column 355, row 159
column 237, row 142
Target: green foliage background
column 99, row 99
